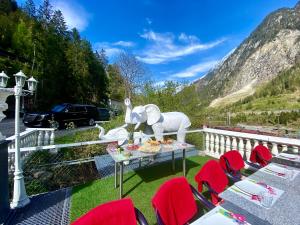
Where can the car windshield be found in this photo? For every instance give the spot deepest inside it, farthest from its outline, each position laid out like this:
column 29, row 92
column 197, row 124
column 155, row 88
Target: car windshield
column 58, row 108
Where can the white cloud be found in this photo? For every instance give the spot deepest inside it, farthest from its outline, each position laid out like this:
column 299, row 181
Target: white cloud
column 148, row 20
column 113, row 49
column 165, row 47
column 124, row 43
column 75, row 15
column 196, row 69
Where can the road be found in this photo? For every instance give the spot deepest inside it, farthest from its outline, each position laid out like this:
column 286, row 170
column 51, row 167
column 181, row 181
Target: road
column 7, row 128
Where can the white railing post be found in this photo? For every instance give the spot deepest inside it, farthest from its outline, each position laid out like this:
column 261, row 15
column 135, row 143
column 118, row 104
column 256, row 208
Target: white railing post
column 241, row 146
column 46, row 137
column 265, row 143
column 248, row 149
column 212, row 144
column 222, row 145
column 295, row 149
column 207, row 143
column 40, row 138
column 217, row 154
column 228, row 144
column 234, row 143
column 274, row 149
column 284, row 148
column 52, row 137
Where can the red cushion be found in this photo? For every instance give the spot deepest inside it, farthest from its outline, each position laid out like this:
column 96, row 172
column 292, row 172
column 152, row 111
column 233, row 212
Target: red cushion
column 261, row 154
column 119, row 212
column 175, row 202
column 213, row 174
column 234, row 159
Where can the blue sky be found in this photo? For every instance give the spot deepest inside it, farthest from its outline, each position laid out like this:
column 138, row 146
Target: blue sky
column 176, row 39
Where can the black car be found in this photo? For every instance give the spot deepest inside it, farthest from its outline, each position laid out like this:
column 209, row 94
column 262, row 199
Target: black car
column 62, row 115
column 104, row 114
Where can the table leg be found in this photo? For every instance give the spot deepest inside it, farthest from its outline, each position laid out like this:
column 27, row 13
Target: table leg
column 183, row 162
column 173, row 161
column 116, row 175
column 121, row 179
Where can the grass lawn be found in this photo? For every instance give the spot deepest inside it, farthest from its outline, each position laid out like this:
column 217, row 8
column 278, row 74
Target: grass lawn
column 139, row 185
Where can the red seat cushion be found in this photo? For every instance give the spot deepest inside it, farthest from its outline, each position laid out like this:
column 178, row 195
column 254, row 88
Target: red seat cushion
column 261, row 154
column 214, row 176
column 175, row 202
column 234, row 159
column 119, row 212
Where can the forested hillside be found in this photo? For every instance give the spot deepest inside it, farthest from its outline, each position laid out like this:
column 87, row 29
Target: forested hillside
column 37, row 41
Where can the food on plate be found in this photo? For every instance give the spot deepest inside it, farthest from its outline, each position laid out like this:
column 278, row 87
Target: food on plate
column 167, row 141
column 149, row 148
column 153, row 142
column 132, row 147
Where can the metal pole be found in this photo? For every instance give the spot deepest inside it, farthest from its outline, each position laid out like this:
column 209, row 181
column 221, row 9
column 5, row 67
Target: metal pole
column 20, row 197
column 173, row 161
column 183, row 162
column 121, row 180
column 116, row 175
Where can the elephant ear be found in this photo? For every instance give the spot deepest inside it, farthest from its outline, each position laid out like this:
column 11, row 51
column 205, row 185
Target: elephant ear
column 153, row 114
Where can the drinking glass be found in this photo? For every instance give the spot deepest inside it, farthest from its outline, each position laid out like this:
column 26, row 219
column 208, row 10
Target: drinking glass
column 266, row 199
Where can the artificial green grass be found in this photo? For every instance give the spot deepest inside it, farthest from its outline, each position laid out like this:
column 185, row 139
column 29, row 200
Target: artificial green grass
column 139, row 185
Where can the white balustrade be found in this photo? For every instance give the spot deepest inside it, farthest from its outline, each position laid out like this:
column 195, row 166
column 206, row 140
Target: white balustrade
column 30, row 138
column 243, row 142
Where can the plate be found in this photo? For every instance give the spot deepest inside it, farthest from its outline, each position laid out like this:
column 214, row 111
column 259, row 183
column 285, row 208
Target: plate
column 147, row 148
column 249, row 187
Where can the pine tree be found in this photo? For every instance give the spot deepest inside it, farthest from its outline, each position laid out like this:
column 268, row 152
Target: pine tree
column 7, row 6
column 58, row 21
column 102, row 58
column 45, row 12
column 30, row 8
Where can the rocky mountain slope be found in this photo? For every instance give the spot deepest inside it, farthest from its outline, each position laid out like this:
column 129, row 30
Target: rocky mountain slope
column 274, row 46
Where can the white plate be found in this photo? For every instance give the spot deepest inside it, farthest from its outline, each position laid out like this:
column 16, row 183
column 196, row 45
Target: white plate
column 249, row 187
column 276, row 169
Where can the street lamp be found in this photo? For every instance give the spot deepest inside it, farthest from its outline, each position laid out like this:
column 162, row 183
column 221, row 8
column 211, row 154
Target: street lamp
column 20, row 197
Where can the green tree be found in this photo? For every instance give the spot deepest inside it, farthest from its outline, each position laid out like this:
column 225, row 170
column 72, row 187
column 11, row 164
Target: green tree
column 29, row 8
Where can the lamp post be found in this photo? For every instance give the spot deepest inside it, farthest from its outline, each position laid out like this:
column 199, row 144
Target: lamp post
column 20, row 197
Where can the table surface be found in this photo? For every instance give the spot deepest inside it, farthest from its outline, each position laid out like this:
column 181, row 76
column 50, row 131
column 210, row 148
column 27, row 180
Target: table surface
column 293, row 163
column 285, row 211
column 136, row 154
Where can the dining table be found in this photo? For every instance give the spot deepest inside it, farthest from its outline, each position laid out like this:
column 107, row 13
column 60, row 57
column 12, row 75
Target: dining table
column 285, row 207
column 122, row 159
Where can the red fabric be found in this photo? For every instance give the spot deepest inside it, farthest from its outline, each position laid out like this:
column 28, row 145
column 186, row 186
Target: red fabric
column 175, row 202
column 234, row 159
column 119, row 212
column 261, row 154
column 213, row 174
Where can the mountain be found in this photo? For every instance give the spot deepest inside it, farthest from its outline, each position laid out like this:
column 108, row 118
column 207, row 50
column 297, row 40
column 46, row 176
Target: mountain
column 273, row 47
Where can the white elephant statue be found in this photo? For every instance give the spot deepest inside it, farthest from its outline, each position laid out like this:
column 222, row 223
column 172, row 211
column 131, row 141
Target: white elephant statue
column 121, row 134
column 159, row 122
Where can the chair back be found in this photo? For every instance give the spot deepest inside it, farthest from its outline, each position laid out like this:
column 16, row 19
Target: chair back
column 213, row 175
column 261, row 155
column 119, row 212
column 232, row 162
column 174, row 202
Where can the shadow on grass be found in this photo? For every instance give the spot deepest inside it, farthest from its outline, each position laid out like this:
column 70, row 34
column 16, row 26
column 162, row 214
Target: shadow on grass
column 161, row 170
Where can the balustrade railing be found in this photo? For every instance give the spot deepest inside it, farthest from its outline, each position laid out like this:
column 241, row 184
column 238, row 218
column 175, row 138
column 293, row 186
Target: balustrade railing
column 31, row 137
column 218, row 141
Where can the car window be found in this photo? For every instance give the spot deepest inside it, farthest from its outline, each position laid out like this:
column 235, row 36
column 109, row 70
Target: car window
column 58, row 108
column 80, row 109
